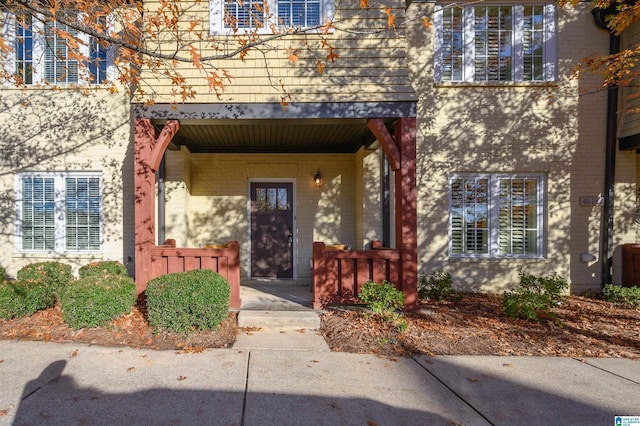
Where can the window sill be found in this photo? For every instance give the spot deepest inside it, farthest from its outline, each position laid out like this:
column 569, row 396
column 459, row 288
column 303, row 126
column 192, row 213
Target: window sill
column 56, row 255
column 470, row 259
column 500, row 84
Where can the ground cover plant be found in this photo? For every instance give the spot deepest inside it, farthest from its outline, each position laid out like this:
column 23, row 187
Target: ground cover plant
column 437, row 286
column 534, row 296
column 624, row 296
column 384, row 299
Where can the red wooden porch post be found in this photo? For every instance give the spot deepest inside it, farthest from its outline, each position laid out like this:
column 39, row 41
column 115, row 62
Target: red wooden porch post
column 321, row 292
column 406, row 210
column 148, row 153
column 234, row 274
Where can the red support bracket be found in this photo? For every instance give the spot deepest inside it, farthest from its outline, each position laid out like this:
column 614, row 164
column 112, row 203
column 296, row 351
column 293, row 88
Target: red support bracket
column 390, row 149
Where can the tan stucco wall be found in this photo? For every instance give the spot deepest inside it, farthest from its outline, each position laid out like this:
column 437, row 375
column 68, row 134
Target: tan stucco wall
column 217, row 210
column 556, row 129
column 55, row 131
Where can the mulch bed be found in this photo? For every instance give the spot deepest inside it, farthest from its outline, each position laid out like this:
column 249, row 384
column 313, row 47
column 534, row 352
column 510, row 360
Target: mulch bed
column 131, row 330
column 475, row 325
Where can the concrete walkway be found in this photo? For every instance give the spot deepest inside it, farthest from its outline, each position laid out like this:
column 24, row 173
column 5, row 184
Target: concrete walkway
column 286, row 375
column 72, row 384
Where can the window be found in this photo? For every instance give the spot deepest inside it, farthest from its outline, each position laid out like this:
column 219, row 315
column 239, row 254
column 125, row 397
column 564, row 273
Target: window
column 41, row 55
column 58, row 212
column 496, row 215
column 227, row 15
column 495, row 43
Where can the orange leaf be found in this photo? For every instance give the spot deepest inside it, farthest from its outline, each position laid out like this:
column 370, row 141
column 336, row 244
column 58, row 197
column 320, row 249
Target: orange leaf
column 332, row 56
column 364, row 4
column 4, row 46
column 320, row 67
column 391, row 19
column 293, row 55
column 192, row 25
column 426, row 22
column 195, row 56
column 326, row 28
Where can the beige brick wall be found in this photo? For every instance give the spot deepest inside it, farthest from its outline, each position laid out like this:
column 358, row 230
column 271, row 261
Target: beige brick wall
column 219, row 188
column 556, row 129
column 57, row 131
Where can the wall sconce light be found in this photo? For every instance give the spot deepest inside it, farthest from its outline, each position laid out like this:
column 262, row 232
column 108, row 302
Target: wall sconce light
column 317, row 179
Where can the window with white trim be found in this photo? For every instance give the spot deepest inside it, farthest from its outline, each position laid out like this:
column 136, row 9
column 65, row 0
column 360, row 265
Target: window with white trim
column 59, row 212
column 40, row 54
column 496, row 215
column 262, row 15
column 495, row 43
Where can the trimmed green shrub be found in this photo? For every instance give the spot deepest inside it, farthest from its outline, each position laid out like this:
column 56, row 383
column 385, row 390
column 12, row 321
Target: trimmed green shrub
column 22, row 298
column 623, row 296
column 437, row 286
column 11, row 300
column 534, row 295
column 111, row 267
column 93, row 301
column 52, row 276
column 185, row 301
column 3, row 274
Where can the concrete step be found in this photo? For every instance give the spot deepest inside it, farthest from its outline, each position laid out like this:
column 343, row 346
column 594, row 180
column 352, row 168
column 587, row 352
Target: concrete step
column 282, row 340
column 279, row 319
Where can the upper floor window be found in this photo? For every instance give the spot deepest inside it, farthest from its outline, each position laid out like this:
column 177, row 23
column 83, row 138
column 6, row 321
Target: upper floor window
column 496, row 215
column 41, row 54
column 262, row 15
column 58, row 212
column 495, row 43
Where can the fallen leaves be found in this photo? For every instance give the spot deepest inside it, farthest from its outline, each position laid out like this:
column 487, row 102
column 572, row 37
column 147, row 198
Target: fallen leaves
column 476, row 325
column 131, row 330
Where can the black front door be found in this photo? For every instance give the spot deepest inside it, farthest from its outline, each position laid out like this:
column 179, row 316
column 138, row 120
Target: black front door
column 272, row 230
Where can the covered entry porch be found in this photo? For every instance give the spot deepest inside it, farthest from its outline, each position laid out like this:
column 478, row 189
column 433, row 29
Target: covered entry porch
column 210, row 173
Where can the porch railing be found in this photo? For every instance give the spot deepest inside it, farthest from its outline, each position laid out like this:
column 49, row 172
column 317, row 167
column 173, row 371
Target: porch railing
column 338, row 275
column 225, row 261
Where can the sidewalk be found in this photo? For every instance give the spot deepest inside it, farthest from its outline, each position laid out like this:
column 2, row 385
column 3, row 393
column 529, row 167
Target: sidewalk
column 49, row 383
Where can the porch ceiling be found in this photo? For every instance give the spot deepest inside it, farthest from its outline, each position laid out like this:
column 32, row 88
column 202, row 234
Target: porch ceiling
column 274, row 136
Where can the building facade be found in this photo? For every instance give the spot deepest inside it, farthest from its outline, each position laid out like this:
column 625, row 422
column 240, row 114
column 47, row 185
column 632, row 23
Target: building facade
column 508, row 173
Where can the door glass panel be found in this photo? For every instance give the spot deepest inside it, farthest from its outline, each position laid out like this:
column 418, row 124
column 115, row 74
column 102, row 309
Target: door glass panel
column 283, row 202
column 272, row 198
column 261, row 198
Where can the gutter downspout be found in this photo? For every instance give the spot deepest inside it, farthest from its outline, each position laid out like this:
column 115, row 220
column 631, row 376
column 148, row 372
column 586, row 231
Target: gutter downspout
column 606, row 230
column 610, row 171
column 161, row 204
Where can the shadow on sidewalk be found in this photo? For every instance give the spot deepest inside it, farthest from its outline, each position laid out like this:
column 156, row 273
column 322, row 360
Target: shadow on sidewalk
column 57, row 399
